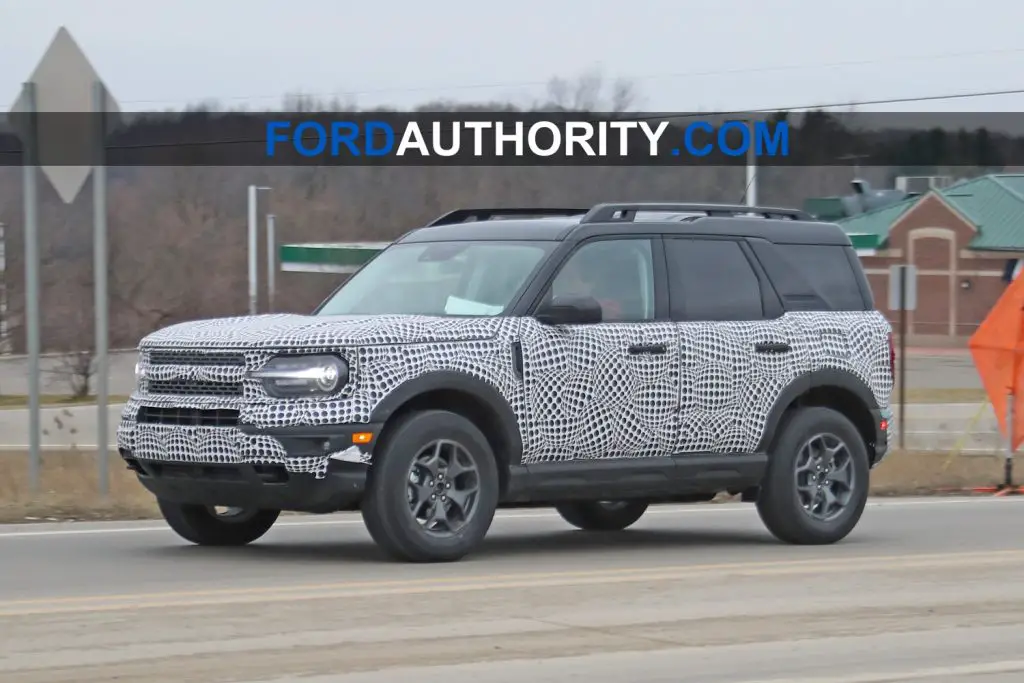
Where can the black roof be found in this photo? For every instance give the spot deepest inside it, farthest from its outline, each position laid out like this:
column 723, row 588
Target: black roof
column 782, row 226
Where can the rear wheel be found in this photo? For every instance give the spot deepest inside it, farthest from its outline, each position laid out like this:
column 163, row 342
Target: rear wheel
column 210, row 525
column 602, row 515
column 433, row 488
column 816, row 486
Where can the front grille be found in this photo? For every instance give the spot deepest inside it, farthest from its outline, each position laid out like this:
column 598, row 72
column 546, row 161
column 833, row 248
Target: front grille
column 222, row 358
column 187, row 417
column 189, row 387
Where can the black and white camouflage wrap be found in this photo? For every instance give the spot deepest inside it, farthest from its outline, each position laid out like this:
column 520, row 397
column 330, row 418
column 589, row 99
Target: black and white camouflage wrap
column 582, row 393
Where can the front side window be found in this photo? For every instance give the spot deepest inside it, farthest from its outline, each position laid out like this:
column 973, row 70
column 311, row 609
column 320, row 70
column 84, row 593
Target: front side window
column 439, row 278
column 618, row 273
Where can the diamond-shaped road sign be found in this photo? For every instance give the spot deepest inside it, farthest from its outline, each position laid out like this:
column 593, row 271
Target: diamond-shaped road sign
column 64, row 82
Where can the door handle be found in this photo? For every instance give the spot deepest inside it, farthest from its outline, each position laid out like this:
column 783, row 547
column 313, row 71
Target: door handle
column 772, row 347
column 648, row 348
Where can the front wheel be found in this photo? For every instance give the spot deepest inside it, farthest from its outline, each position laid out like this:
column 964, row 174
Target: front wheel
column 602, row 515
column 206, row 525
column 433, row 488
column 816, row 486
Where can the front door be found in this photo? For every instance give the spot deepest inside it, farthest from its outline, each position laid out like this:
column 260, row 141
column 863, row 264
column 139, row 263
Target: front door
column 604, row 390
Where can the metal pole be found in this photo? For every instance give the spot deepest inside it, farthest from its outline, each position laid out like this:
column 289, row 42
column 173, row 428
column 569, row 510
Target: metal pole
column 751, row 169
column 903, row 355
column 271, row 261
column 1008, row 465
column 4, row 333
column 31, row 199
column 99, row 248
column 253, row 275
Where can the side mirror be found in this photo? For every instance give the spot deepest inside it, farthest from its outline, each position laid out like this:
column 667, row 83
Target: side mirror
column 582, row 310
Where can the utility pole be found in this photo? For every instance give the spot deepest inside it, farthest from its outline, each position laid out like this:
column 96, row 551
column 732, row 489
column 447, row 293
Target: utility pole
column 271, row 261
column 751, row 182
column 254, row 191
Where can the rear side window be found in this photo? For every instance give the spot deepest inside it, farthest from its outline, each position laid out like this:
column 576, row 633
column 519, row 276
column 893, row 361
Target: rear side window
column 828, row 270
column 712, row 280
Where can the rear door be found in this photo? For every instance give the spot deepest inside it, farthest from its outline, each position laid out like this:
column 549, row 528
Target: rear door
column 735, row 354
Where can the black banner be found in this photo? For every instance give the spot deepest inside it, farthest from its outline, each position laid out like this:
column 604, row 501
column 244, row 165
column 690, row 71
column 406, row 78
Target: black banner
column 990, row 140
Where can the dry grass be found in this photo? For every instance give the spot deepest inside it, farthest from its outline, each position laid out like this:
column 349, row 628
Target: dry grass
column 925, row 473
column 20, row 401
column 956, row 395
column 69, row 489
column 69, row 483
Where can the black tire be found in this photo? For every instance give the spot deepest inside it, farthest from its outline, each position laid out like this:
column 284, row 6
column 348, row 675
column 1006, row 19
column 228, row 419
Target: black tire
column 386, row 508
column 598, row 515
column 779, row 502
column 201, row 525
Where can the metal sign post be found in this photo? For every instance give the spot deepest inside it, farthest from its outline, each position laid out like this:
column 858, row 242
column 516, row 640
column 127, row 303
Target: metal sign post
column 271, row 261
column 254, row 191
column 30, row 170
column 100, row 278
column 903, row 298
column 63, row 88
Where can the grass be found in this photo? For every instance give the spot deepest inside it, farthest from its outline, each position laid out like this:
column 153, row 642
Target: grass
column 20, row 401
column 929, row 395
column 69, row 483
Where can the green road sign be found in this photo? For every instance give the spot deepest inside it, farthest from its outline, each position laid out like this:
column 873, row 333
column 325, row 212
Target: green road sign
column 335, row 257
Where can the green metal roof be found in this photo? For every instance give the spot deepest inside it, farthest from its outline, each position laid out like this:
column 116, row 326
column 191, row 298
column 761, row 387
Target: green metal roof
column 993, row 203
column 995, row 206
column 877, row 221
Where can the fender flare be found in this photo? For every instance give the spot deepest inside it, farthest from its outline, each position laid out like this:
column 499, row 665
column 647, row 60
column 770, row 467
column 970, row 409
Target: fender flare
column 827, row 377
column 462, row 382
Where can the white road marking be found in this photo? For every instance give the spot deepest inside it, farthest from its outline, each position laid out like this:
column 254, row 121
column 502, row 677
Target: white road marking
column 947, row 672
column 510, row 516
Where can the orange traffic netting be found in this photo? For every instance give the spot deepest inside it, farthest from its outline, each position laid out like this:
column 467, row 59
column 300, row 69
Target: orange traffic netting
column 997, row 347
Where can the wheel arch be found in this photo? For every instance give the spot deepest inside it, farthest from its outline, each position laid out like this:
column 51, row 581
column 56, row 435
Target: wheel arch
column 464, row 394
column 840, row 390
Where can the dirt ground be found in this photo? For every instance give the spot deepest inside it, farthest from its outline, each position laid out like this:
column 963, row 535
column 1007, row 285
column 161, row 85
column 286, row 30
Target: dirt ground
column 70, row 484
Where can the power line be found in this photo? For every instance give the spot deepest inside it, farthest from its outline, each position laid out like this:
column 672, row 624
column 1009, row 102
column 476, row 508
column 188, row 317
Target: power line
column 867, row 103
column 643, row 78
column 649, row 117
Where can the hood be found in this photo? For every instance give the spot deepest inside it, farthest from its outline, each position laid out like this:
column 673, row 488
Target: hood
column 274, row 331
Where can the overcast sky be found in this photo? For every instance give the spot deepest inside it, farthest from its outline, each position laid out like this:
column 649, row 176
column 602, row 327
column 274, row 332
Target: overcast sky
column 684, row 55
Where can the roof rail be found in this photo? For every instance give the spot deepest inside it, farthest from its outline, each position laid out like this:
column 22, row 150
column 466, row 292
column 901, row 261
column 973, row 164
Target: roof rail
column 464, row 215
column 604, row 213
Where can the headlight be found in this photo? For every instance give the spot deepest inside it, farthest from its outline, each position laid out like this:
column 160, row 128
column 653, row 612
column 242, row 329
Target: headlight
column 139, row 373
column 298, row 376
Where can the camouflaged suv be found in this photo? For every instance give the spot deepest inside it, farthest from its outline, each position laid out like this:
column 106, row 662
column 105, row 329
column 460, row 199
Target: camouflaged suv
column 597, row 361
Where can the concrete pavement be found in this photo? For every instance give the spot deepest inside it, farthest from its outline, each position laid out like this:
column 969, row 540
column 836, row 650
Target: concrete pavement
column 922, row 590
column 940, row 427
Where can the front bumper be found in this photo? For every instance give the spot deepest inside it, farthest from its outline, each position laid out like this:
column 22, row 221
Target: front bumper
column 267, row 487
column 306, row 469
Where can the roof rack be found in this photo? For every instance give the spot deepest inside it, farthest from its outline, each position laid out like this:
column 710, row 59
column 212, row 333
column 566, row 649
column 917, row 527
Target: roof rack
column 604, row 213
column 464, row 215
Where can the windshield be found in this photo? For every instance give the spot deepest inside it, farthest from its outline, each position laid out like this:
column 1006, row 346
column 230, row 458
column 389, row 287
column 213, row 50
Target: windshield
column 439, row 278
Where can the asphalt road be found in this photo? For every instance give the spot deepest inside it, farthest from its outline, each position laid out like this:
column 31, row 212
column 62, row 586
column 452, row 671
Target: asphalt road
column 926, row 590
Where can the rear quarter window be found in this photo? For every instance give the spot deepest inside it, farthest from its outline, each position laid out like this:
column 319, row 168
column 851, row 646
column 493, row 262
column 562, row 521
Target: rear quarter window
column 830, row 271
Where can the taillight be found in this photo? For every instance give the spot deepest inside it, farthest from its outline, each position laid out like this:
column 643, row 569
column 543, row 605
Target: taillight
column 892, row 359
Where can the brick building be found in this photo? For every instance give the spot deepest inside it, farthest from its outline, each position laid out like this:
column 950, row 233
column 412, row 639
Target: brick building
column 964, row 239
